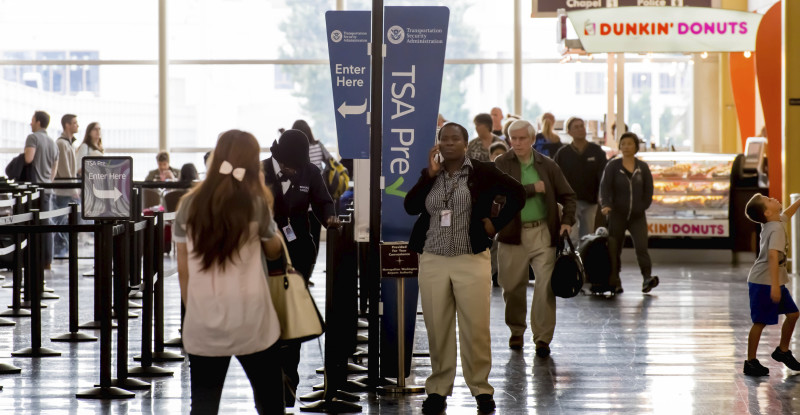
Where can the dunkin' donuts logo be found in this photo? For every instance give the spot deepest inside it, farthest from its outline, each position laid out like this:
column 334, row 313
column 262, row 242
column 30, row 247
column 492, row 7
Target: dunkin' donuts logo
column 665, row 29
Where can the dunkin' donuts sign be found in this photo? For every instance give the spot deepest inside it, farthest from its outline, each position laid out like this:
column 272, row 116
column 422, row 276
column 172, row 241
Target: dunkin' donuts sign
column 665, row 29
column 711, row 228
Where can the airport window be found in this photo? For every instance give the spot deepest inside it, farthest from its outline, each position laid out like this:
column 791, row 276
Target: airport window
column 667, row 83
column 640, row 82
column 590, row 83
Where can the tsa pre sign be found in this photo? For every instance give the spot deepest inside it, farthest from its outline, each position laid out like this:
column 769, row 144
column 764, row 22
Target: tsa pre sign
column 349, row 33
column 415, row 39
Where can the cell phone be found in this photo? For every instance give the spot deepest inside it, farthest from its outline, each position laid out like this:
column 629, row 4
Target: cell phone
column 438, row 158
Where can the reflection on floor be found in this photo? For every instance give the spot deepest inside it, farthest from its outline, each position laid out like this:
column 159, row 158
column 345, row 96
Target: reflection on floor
column 677, row 351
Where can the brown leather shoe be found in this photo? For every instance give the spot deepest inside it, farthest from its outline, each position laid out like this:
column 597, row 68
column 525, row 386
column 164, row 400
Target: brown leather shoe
column 542, row 349
column 516, row 342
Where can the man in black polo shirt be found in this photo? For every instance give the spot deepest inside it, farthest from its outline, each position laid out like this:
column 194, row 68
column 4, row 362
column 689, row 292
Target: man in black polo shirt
column 582, row 163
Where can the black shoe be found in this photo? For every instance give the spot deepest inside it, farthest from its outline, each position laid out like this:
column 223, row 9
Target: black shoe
column 434, row 404
column 754, row 368
column 485, row 403
column 786, row 358
column 542, row 349
column 649, row 283
column 618, row 290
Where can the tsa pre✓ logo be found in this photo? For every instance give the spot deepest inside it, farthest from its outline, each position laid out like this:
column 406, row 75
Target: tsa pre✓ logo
column 336, row 36
column 396, row 34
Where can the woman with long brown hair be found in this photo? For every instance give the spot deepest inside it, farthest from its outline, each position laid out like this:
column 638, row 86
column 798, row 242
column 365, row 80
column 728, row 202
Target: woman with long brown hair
column 219, row 230
column 92, row 145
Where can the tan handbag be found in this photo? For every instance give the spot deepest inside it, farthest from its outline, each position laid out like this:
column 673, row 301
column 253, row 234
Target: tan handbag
column 299, row 316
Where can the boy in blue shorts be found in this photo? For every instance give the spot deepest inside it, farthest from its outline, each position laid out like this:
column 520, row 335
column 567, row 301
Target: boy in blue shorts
column 766, row 281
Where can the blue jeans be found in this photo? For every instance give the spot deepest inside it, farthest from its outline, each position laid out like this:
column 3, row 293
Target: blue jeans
column 61, row 239
column 584, row 215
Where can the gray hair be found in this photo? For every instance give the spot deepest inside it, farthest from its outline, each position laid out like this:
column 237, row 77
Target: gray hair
column 520, row 124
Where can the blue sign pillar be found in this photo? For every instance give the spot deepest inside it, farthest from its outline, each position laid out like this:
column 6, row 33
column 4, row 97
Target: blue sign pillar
column 412, row 83
column 349, row 35
column 415, row 39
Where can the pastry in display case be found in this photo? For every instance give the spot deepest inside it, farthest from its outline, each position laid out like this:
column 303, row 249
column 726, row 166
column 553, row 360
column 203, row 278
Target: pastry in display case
column 691, row 194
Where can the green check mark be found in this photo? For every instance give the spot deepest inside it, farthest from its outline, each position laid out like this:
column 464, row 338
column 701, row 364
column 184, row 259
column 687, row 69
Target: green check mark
column 394, row 188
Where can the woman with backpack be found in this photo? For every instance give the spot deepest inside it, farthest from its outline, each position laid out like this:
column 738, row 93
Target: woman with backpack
column 220, row 227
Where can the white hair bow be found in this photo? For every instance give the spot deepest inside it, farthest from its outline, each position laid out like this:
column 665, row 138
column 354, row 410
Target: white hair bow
column 227, row 168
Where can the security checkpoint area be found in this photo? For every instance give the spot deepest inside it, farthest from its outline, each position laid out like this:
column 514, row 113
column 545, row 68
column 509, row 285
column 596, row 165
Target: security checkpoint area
column 487, row 218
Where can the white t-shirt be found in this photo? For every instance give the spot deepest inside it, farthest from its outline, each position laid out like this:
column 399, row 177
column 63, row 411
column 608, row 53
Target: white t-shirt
column 229, row 312
column 773, row 237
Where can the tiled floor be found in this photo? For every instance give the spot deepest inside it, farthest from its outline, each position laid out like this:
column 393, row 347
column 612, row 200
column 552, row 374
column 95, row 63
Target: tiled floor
column 677, row 351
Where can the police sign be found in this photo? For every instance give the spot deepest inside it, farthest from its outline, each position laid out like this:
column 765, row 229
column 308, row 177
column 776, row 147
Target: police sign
column 107, row 188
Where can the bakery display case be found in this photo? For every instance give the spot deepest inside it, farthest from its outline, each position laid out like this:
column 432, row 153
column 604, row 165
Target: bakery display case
column 692, row 194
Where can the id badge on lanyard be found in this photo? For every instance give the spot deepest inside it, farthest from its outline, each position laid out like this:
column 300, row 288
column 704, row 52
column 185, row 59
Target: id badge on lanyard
column 445, row 218
column 289, row 232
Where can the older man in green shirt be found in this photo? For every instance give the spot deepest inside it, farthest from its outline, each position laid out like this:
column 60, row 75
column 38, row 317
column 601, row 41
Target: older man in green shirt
column 530, row 239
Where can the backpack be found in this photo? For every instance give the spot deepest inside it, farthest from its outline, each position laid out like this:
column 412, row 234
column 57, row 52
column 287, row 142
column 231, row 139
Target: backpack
column 336, row 176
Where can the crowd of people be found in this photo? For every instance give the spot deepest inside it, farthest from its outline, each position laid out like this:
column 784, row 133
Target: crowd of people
column 497, row 204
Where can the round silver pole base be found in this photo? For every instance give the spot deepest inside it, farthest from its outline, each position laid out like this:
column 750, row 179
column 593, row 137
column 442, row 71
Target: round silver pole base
column 400, row 390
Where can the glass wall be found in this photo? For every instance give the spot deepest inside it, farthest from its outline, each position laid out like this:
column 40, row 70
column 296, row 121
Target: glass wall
column 259, row 65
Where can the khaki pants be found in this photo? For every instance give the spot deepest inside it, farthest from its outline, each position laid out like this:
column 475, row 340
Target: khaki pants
column 449, row 286
column 534, row 251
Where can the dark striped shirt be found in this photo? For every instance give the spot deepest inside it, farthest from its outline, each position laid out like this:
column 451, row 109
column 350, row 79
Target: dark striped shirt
column 450, row 192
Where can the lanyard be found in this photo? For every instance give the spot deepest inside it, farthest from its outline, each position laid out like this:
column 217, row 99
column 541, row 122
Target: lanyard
column 449, row 193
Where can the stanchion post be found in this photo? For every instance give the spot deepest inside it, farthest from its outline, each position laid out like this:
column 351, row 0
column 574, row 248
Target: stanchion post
column 104, row 277
column 401, row 386
column 136, row 266
column 26, row 285
column 20, row 255
column 146, row 358
column 158, row 288
column 98, row 307
column 104, row 240
column 36, row 253
column 121, row 267
column 159, row 355
column 333, row 398
column 74, row 335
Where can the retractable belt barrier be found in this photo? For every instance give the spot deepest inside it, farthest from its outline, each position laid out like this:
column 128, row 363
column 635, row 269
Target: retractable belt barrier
column 116, row 250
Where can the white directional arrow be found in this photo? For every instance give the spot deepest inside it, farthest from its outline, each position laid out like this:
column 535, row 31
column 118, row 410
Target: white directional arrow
column 107, row 194
column 346, row 110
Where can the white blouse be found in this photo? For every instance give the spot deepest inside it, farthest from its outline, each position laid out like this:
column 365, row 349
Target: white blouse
column 228, row 312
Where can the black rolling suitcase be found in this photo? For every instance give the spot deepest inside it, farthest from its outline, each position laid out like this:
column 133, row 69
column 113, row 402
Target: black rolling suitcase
column 594, row 251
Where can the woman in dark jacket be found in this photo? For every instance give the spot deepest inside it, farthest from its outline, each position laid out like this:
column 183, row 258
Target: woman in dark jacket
column 453, row 199
column 626, row 191
column 296, row 185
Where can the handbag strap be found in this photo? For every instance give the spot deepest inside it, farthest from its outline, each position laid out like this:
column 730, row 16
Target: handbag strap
column 567, row 241
column 288, row 259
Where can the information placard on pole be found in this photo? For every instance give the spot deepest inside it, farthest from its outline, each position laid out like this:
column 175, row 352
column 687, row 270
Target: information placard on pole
column 107, row 188
column 348, row 39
